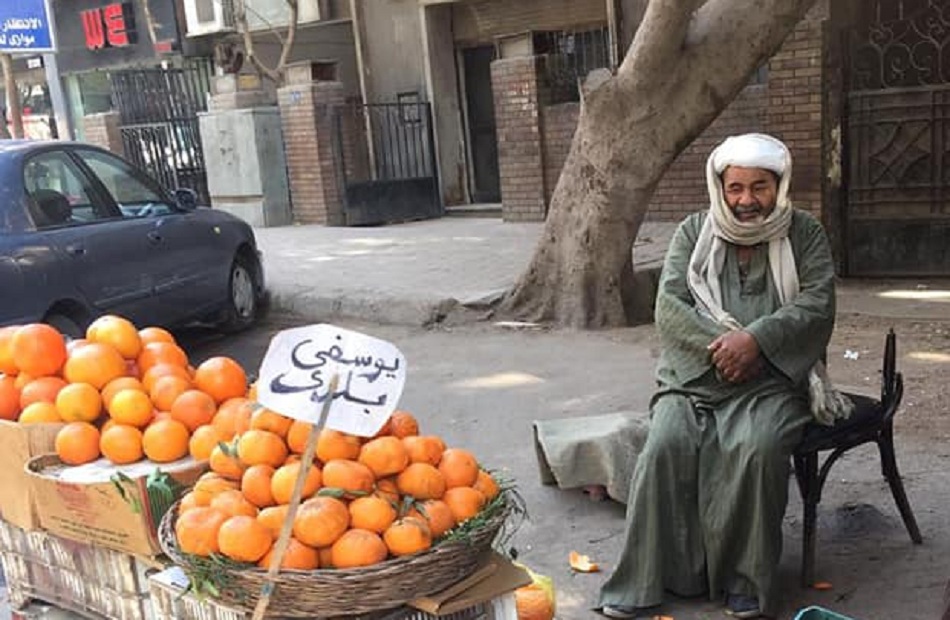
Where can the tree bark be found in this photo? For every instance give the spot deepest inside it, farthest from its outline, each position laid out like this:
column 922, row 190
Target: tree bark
column 689, row 59
column 14, row 111
column 275, row 73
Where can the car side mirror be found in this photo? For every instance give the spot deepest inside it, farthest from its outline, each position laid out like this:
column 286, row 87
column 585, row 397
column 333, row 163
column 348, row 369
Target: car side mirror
column 187, row 198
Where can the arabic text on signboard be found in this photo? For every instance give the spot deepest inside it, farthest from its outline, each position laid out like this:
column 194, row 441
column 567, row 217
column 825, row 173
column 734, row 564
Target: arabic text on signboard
column 25, row 26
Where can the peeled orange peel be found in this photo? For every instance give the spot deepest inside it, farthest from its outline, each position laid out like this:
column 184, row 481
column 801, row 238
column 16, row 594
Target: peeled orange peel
column 582, row 563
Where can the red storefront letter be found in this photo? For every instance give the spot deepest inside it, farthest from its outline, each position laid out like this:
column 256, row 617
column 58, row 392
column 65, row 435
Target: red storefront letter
column 92, row 28
column 115, row 25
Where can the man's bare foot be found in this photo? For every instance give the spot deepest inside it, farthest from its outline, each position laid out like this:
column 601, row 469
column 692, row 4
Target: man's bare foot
column 596, row 492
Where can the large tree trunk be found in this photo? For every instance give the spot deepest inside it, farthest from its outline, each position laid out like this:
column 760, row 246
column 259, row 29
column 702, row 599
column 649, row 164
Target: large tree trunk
column 688, row 61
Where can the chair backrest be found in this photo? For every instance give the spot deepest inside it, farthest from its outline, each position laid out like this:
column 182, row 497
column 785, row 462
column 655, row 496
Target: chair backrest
column 52, row 207
column 892, row 383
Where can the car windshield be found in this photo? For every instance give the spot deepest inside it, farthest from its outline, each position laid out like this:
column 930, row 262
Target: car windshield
column 133, row 197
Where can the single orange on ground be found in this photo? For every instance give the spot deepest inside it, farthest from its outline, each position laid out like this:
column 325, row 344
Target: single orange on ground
column 194, row 408
column 233, row 417
column 38, row 350
column 297, row 436
column 465, row 502
column 332, row 445
column 421, row 481
column 256, row 485
column 96, row 364
column 424, row 448
column 39, row 413
column 283, row 481
column 156, row 372
column 234, row 503
column 459, row 468
column 437, row 515
column 372, row 513
column 149, row 335
column 132, row 407
column 385, row 456
column 267, row 420
column 43, row 389
column 358, row 547
column 165, row 390
column 225, row 463
column 273, row 518
column 320, row 521
column 353, row 477
column 244, row 539
column 79, row 402
column 121, row 444
column 407, row 535
column 298, row 556
column 77, row 443
column 117, row 385
column 202, row 442
column 197, row 530
column 403, row 424
column 7, row 364
column 161, row 353
column 222, row 378
column 256, row 447
column 117, row 332
column 9, row 398
column 165, row 441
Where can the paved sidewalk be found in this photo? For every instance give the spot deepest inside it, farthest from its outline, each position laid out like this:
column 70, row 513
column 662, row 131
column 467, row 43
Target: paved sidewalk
column 411, row 274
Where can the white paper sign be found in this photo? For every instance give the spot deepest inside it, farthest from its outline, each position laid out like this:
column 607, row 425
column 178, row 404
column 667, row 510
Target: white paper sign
column 294, row 379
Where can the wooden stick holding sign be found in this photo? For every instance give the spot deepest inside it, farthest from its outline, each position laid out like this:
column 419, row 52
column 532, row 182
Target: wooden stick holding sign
column 308, row 365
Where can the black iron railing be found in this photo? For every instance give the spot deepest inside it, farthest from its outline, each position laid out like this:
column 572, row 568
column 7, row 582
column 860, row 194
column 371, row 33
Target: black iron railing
column 568, row 56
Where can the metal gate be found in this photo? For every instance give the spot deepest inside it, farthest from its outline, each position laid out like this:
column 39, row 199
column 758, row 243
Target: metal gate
column 898, row 142
column 386, row 161
column 159, row 110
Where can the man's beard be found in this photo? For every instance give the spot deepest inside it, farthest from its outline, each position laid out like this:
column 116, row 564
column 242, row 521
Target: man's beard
column 749, row 213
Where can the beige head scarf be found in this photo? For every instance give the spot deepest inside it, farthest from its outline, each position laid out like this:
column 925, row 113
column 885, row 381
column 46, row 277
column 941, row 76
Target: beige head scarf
column 721, row 227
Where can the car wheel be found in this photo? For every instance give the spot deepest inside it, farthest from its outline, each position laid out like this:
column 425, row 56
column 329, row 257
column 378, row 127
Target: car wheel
column 243, row 303
column 67, row 326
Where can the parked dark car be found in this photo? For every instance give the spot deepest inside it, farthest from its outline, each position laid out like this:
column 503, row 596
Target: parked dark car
column 83, row 233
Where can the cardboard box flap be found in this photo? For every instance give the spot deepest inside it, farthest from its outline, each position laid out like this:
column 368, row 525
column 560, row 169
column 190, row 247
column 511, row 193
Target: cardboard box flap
column 21, row 442
column 496, row 576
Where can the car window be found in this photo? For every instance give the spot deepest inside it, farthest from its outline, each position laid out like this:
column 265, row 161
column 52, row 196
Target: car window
column 134, row 197
column 59, row 193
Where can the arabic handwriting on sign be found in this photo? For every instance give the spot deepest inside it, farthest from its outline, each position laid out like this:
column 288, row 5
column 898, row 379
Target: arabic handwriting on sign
column 22, row 23
column 313, row 363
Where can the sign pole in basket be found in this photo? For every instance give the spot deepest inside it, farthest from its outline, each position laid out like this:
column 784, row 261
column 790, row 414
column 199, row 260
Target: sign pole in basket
column 306, row 366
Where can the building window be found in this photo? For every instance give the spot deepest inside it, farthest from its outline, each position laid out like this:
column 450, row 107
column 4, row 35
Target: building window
column 568, row 56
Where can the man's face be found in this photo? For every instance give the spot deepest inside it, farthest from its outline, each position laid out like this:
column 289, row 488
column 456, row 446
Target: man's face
column 750, row 192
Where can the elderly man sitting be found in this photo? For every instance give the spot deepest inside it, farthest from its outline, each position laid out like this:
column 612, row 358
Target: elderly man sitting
column 745, row 309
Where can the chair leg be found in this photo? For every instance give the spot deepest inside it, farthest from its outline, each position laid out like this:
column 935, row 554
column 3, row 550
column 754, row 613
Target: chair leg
column 885, row 444
column 808, row 481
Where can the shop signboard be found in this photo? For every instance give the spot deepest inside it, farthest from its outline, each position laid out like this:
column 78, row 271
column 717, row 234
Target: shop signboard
column 25, row 27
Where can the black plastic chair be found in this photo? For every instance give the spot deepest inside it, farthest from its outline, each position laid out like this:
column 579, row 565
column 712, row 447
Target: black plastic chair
column 872, row 420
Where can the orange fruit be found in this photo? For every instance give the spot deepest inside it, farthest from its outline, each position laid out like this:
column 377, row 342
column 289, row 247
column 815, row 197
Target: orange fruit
column 22, row 380
column 156, row 372
column 320, row 521
column 165, row 441
column 326, row 557
column 161, row 353
column 202, row 442
column 225, row 464
column 283, row 481
column 79, row 402
column 149, row 335
column 358, row 547
column 188, row 501
column 233, row 417
column 9, row 398
column 252, row 392
column 77, row 443
column 117, row 332
column 459, row 468
column 424, row 448
column 75, row 344
column 39, row 412
column 197, row 530
column 117, row 385
column 351, row 476
column 256, row 447
column 407, row 536
column 487, row 485
column 388, row 490
column 38, row 350
column 403, row 424
column 437, row 515
column 464, row 502
column 384, row 456
column 297, row 436
column 43, row 389
column 298, row 556
column 209, row 485
column 332, row 445
column 233, row 503
column 267, row 420
column 532, row 602
column 244, row 539
column 121, row 444
column 222, row 378
column 194, row 408
column 273, row 518
column 256, row 485
column 371, row 513
column 132, row 407
column 421, row 481
column 96, row 364
column 166, row 389
column 7, row 363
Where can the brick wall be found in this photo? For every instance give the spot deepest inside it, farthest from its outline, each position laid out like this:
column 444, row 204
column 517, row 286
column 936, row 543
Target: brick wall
column 480, row 21
column 795, row 106
column 103, row 130
column 517, row 125
column 558, row 123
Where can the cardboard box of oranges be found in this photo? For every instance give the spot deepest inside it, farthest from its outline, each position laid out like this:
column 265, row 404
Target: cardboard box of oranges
column 21, row 442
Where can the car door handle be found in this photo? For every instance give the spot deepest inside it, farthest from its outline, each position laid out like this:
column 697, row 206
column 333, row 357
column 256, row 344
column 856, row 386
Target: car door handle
column 154, row 237
column 75, row 250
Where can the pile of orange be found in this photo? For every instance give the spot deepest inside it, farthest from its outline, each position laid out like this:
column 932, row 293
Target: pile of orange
column 364, row 500
column 123, row 393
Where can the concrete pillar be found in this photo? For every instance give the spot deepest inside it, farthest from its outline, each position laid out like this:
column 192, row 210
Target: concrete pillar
column 518, row 126
column 103, row 130
column 307, row 105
